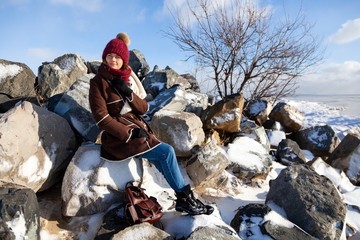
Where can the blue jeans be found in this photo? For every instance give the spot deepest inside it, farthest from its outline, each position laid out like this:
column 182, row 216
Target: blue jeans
column 164, row 158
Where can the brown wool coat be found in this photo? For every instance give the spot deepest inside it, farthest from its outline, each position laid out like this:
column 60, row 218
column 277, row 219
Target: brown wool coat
column 106, row 104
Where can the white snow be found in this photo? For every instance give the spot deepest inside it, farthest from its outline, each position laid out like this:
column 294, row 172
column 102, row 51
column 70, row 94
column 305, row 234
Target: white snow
column 225, row 117
column 10, row 70
column 246, row 152
column 354, row 166
column 17, row 226
column 275, row 137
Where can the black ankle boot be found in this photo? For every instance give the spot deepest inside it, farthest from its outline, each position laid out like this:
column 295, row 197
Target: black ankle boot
column 186, row 202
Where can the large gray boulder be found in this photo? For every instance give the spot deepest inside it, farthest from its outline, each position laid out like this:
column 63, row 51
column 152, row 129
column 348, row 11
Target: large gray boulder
column 57, row 76
column 309, row 200
column 205, row 233
column 259, row 221
column 206, row 164
column 159, row 80
column 143, row 231
column 74, row 107
column 346, row 156
column 138, row 63
column 181, row 130
column 289, row 153
column 19, row 214
column 92, row 184
column 37, row 146
column 16, row 79
column 320, row 140
column 249, row 159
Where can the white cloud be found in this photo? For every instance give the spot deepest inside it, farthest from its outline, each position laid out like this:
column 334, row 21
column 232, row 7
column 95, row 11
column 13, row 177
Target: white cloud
column 87, row 5
column 44, row 54
column 349, row 31
column 332, row 78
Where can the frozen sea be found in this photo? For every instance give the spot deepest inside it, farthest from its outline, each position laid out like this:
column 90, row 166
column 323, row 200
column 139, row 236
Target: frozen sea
column 342, row 112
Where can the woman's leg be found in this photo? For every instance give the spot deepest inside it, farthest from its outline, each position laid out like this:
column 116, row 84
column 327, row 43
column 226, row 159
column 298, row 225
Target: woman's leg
column 164, row 158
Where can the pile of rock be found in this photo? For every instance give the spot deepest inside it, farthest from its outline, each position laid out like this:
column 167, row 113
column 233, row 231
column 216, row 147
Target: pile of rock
column 53, row 138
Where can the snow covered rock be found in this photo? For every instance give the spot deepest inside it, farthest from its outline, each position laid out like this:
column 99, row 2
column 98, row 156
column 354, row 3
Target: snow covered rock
column 259, row 221
column 74, row 107
column 138, row 63
column 57, row 76
column 320, row 140
column 193, row 82
column 258, row 110
column 346, row 156
column 208, row 163
column 172, row 99
column 19, row 214
column 249, row 158
column 92, row 184
column 159, row 80
column 309, row 200
column 196, row 102
column 142, row 231
column 179, row 99
column 181, row 130
column 289, row 153
column 258, row 134
column 275, row 137
column 203, row 233
column 225, row 115
column 36, row 146
column 291, row 118
column 16, row 79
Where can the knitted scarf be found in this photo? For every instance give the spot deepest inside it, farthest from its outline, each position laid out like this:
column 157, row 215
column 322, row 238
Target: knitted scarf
column 122, row 73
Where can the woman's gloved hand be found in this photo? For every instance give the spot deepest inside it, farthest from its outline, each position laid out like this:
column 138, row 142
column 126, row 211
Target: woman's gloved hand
column 121, row 86
column 139, row 133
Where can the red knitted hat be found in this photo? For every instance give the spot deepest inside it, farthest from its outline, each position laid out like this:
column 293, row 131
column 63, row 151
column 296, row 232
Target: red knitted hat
column 118, row 45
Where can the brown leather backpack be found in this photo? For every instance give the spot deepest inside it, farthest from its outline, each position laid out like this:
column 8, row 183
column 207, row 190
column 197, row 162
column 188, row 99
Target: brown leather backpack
column 139, row 207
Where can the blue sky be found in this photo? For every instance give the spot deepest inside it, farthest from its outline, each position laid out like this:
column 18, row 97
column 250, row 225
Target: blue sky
column 34, row 31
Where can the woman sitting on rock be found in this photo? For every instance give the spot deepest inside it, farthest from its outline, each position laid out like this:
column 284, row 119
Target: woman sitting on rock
column 117, row 102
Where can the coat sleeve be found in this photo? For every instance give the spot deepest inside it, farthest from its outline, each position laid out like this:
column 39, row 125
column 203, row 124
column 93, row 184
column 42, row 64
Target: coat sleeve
column 139, row 106
column 102, row 117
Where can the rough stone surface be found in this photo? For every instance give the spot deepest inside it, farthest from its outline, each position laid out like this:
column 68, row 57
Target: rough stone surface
column 291, row 118
column 346, row 156
column 209, row 162
column 258, row 110
column 159, row 80
column 309, row 200
column 91, row 184
column 172, row 99
column 251, row 161
column 16, row 79
column 74, row 107
column 320, row 140
column 19, row 214
column 225, row 115
column 181, row 130
column 138, row 63
column 289, row 153
column 36, row 145
column 206, row 233
column 253, row 218
column 58, row 76
column 143, row 231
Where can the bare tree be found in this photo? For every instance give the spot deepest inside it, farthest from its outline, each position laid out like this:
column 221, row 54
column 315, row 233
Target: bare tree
column 245, row 48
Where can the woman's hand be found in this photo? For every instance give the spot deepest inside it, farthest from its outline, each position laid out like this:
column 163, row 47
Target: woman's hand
column 121, row 86
column 138, row 133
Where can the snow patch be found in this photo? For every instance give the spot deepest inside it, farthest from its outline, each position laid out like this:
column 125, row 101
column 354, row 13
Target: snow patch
column 9, row 71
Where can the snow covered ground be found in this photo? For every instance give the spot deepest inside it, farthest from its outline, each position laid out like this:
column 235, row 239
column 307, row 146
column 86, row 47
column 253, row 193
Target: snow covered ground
column 235, row 194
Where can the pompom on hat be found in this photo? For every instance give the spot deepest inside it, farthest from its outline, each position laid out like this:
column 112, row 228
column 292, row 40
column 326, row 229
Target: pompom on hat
column 118, row 45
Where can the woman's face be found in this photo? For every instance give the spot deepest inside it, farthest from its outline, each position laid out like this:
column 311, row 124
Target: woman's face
column 114, row 61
